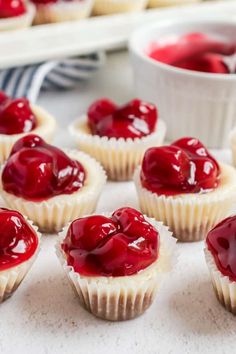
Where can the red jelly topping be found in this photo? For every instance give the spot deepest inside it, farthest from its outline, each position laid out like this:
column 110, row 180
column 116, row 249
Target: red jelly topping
column 11, row 8
column 120, row 245
column 221, row 242
column 18, row 240
column 133, row 120
column 193, row 51
column 16, row 115
column 185, row 166
column 36, row 170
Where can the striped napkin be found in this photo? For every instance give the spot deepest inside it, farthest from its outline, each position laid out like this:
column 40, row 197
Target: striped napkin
column 28, row 81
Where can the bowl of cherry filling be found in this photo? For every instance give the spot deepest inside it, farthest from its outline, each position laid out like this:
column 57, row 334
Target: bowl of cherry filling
column 117, row 136
column 48, row 185
column 116, row 261
column 19, row 118
column 15, row 14
column 185, row 187
column 189, row 69
column 220, row 254
column 19, row 246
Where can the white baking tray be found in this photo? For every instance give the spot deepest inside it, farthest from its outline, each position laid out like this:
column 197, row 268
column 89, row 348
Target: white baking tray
column 66, row 39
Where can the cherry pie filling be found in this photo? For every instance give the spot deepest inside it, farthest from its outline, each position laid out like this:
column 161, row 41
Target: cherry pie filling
column 135, row 119
column 37, row 171
column 185, row 166
column 18, row 240
column 120, row 245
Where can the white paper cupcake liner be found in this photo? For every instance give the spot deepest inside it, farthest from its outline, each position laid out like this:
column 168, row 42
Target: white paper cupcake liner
column 119, row 157
column 11, row 278
column 190, row 216
column 108, row 7
column 224, row 288
column 164, row 3
column 18, row 22
column 46, row 126
column 53, row 214
column 232, row 139
column 122, row 298
column 63, row 11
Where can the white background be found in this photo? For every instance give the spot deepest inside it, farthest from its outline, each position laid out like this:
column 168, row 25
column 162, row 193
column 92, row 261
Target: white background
column 44, row 316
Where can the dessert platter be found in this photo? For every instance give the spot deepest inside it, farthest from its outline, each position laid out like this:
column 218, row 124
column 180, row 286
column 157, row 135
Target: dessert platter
column 50, row 41
column 120, row 237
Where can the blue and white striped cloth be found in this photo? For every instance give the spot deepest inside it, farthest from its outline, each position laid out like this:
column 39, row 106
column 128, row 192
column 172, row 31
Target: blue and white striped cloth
column 27, row 81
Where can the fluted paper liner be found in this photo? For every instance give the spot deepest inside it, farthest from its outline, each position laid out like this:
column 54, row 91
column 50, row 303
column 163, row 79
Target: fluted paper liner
column 45, row 128
column 11, row 278
column 232, row 139
column 190, row 216
column 108, row 7
column 164, row 3
column 122, row 298
column 53, row 214
column 119, row 157
column 63, row 11
column 224, row 288
column 18, row 22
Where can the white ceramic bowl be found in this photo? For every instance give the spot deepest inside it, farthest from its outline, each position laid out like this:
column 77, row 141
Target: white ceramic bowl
column 196, row 104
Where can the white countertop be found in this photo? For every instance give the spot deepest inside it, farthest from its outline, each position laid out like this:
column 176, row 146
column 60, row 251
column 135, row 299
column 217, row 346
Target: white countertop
column 44, row 316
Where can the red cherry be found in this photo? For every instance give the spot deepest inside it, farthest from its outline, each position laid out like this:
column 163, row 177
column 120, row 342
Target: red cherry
column 133, row 120
column 221, row 242
column 29, row 141
column 100, row 109
column 208, row 63
column 86, row 233
column 18, row 241
column 16, row 117
column 45, row 2
column 37, row 171
column 11, row 8
column 121, row 245
column 165, row 166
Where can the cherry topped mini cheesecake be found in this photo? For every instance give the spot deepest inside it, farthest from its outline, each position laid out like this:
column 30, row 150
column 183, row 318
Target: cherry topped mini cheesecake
column 19, row 245
column 19, row 118
column 220, row 253
column 15, row 14
column 184, row 186
column 118, row 136
column 115, row 261
column 51, row 11
column 110, row 7
column 48, row 185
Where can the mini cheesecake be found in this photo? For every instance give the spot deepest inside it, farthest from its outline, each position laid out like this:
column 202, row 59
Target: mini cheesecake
column 15, row 14
column 164, row 3
column 220, row 253
column 184, row 186
column 110, row 7
column 115, row 262
column 19, row 246
column 117, row 136
column 19, row 118
column 48, row 185
column 52, row 11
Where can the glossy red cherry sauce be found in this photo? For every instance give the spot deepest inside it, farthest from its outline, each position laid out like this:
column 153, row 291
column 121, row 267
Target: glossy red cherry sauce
column 11, row 8
column 120, row 245
column 185, row 166
column 221, row 242
column 46, row 2
column 37, row 171
column 18, row 240
column 135, row 119
column 193, row 51
column 16, row 115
